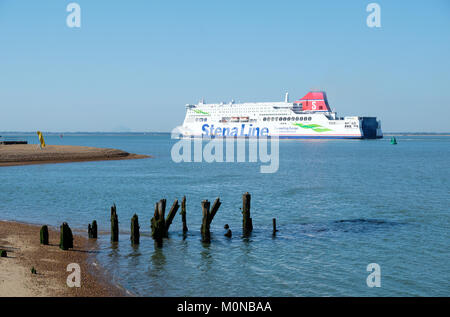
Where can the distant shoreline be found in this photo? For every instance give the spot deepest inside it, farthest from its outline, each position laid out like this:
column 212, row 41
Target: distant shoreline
column 28, row 154
column 81, row 133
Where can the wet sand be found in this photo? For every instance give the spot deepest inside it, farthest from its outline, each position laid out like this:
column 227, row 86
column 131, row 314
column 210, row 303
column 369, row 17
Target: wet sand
column 21, row 241
column 26, row 154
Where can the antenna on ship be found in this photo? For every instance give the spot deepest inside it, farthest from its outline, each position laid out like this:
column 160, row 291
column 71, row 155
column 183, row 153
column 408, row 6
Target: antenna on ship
column 286, row 97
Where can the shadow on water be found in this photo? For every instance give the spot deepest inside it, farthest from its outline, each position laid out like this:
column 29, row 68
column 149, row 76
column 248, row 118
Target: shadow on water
column 360, row 225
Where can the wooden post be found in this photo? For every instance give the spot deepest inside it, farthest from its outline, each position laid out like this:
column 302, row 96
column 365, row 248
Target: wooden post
column 228, row 234
column 183, row 214
column 208, row 217
column 134, row 230
column 92, row 230
column 274, row 223
column 44, row 235
column 215, row 207
column 247, row 225
column 158, row 223
column 65, row 237
column 114, row 224
column 3, row 254
column 171, row 215
column 206, row 234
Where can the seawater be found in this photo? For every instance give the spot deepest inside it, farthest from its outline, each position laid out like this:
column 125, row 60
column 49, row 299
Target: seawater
column 339, row 205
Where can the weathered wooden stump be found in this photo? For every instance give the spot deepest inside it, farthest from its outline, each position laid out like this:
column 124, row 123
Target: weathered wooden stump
column 206, row 234
column 44, row 235
column 3, row 254
column 247, row 225
column 183, row 214
column 274, row 224
column 92, row 230
column 208, row 217
column 158, row 223
column 114, row 224
column 170, row 216
column 65, row 237
column 135, row 235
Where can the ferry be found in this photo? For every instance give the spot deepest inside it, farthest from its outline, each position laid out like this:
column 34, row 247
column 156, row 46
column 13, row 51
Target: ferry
column 307, row 118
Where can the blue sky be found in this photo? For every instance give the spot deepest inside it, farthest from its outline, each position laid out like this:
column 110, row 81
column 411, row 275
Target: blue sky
column 133, row 65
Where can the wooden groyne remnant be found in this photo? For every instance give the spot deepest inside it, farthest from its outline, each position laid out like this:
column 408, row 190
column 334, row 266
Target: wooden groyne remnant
column 160, row 224
column 134, row 237
column 65, row 237
column 114, row 224
column 183, row 214
column 247, row 225
column 208, row 217
column 274, row 225
column 44, row 235
column 170, row 216
column 92, row 230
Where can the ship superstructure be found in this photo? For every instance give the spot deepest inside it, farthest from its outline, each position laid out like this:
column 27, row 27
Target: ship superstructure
column 309, row 117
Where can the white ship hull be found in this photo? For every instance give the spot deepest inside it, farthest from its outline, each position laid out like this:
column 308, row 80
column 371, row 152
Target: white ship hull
column 280, row 119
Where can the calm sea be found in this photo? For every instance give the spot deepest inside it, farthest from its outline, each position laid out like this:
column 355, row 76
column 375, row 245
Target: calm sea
column 339, row 205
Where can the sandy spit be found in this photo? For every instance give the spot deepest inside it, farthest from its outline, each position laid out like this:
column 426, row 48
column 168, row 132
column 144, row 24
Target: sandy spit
column 25, row 154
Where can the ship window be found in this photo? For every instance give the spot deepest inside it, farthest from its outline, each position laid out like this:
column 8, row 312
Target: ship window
column 296, row 119
column 284, row 119
column 320, row 107
column 264, row 119
column 273, row 118
column 281, row 119
column 288, row 118
column 301, row 118
column 293, row 119
column 309, row 118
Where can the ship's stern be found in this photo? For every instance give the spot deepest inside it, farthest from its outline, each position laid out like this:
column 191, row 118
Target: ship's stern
column 371, row 128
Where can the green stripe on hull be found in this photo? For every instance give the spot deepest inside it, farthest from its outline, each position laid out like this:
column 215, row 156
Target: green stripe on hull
column 314, row 127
